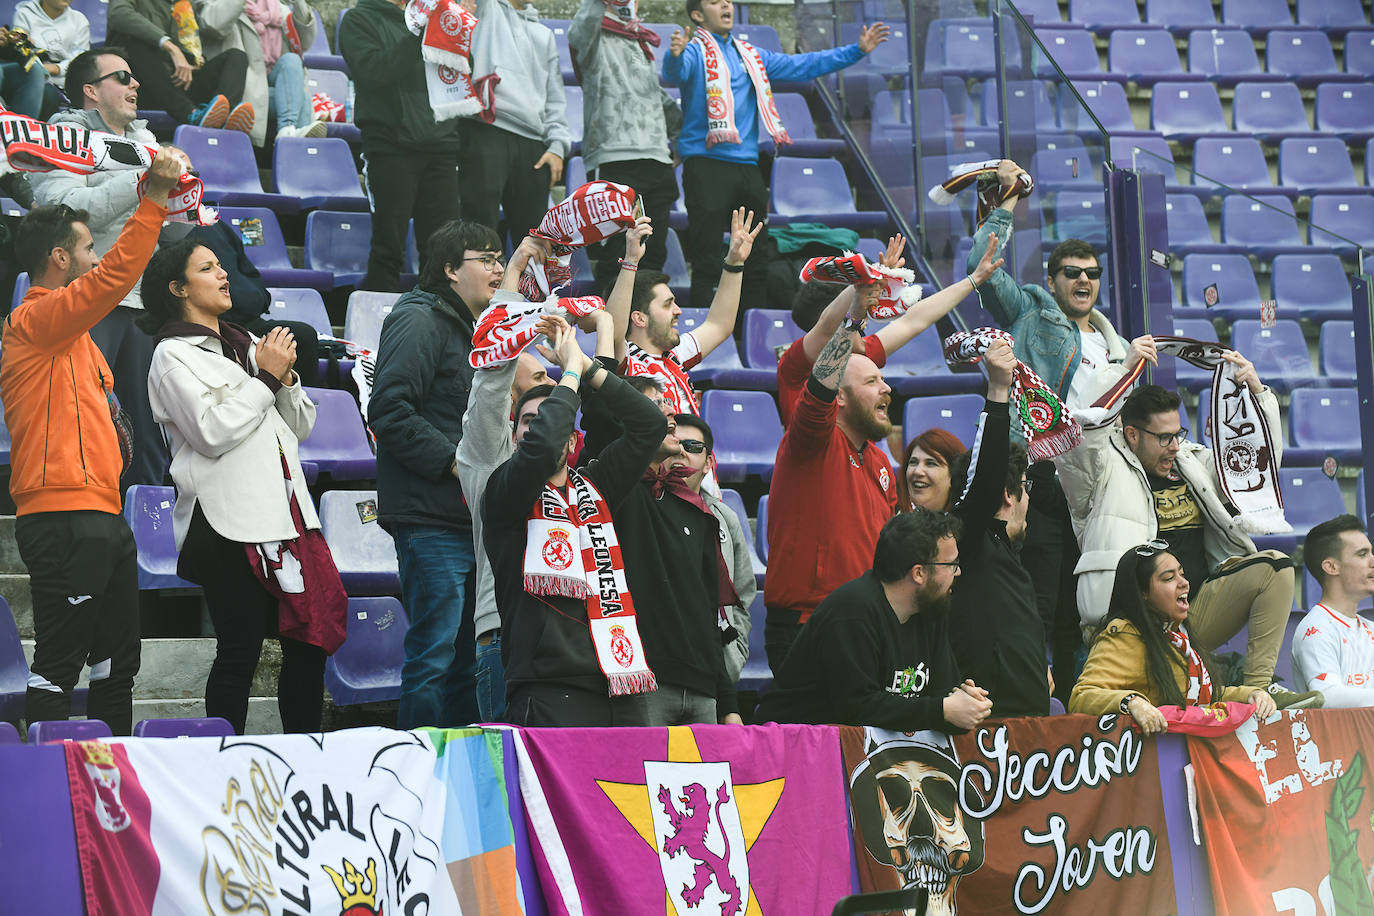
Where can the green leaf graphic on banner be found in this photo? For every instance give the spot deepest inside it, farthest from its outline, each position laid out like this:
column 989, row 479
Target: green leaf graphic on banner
column 1349, row 889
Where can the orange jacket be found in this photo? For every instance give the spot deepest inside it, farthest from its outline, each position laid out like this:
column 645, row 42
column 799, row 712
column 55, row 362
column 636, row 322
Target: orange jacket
column 56, row 386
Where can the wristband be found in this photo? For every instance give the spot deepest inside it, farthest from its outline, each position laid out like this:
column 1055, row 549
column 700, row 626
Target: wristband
column 626, row 265
column 857, row 326
column 576, row 375
column 1126, row 703
column 591, row 371
column 731, row 268
column 973, row 283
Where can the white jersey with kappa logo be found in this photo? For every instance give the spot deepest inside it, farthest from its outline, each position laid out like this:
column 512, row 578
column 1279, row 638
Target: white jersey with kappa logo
column 1334, row 653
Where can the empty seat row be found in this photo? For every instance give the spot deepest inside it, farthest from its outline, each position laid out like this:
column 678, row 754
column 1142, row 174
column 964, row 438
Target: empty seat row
column 1305, row 285
column 1256, row 15
column 1266, row 225
column 1273, row 112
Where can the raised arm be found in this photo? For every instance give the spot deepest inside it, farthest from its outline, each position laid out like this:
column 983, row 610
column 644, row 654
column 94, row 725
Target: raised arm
column 987, row 474
column 930, row 309
column 720, row 320
column 1000, row 295
column 828, row 370
column 622, row 293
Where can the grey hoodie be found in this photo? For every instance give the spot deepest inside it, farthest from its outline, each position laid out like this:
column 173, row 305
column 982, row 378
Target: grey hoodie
column 520, row 49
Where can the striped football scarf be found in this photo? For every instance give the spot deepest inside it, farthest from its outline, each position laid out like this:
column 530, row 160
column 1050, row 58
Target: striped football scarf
column 984, row 176
column 507, row 326
column 592, row 213
column 898, row 292
column 720, row 101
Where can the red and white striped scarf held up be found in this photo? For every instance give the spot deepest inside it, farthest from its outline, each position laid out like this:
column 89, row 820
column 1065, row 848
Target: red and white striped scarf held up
column 507, row 326
column 720, row 99
column 592, row 213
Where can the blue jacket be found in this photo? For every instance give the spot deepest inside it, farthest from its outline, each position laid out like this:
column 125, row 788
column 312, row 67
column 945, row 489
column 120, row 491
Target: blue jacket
column 688, row 71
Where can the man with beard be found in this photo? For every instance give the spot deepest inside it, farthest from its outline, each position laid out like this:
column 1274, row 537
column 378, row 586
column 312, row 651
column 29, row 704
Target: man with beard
column 832, row 488
column 995, row 628
column 877, row 651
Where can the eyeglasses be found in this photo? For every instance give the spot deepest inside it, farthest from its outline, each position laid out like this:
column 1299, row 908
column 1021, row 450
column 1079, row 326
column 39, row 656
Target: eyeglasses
column 695, row 446
column 1166, row 439
column 954, row 563
column 489, row 261
column 122, row 77
column 1150, row 548
column 1073, row 273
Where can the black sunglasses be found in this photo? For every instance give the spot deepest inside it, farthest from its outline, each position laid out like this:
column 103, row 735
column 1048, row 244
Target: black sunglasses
column 122, row 77
column 1072, row 272
column 695, row 446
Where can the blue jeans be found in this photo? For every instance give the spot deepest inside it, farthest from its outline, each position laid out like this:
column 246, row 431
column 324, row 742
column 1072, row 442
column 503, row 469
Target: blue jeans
column 23, row 89
column 287, row 99
column 491, row 681
column 438, row 587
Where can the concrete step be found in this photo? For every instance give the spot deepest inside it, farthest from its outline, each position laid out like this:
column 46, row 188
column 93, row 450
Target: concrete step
column 9, row 549
column 176, row 669
column 14, row 588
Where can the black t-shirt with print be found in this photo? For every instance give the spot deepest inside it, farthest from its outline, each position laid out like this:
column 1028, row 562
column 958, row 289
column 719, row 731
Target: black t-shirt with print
column 1180, row 523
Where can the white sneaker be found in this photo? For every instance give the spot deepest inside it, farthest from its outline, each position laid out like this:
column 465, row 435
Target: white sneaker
column 314, row 130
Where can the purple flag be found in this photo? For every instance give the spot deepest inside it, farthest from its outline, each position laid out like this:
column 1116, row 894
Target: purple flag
column 712, row 820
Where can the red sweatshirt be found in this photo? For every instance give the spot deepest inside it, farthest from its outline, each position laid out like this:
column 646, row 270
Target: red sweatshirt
column 826, row 505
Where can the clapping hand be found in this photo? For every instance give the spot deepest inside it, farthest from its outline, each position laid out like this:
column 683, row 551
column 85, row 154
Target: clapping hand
column 563, row 350
column 276, row 353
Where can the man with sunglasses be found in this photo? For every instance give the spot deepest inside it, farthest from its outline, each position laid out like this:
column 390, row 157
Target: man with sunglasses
column 1143, row 479
column 697, row 443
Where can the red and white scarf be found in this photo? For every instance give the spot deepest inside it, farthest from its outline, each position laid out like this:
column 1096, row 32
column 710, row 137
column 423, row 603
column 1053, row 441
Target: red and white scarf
column 990, row 192
column 898, row 292
column 1046, row 423
column 507, row 326
column 1242, row 443
column 572, row 550
column 446, row 31
column 592, row 213
column 622, row 18
column 31, row 145
column 720, row 100
column 1199, row 681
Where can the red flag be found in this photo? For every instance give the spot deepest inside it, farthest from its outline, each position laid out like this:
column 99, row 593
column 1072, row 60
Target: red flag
column 112, row 817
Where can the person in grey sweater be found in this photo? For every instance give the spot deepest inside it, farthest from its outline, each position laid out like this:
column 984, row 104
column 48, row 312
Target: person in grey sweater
column 485, row 446
column 630, row 124
column 512, row 155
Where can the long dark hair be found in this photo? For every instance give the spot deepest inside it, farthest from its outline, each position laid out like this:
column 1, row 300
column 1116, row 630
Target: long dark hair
column 159, row 305
column 1162, row 661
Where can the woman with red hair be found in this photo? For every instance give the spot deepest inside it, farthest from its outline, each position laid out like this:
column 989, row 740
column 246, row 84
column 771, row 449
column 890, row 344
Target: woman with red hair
column 925, row 478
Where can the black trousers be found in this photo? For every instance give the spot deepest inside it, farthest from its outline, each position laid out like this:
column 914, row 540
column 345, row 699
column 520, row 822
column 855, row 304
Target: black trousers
column 558, row 705
column 1050, row 553
column 244, row 614
column 780, row 630
column 83, row 575
column 656, row 186
column 129, row 352
column 712, row 189
column 495, row 170
column 402, row 185
column 224, row 74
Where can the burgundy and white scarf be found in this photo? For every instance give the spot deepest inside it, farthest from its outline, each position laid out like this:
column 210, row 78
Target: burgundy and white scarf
column 572, row 550
column 1199, row 681
column 1242, row 442
column 590, row 214
column 898, row 292
column 1046, row 423
column 446, row 31
column 622, row 18
column 31, row 145
column 507, row 326
column 990, row 193
column 720, row 100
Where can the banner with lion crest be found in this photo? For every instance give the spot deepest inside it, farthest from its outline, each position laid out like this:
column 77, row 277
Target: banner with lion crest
column 1038, row 815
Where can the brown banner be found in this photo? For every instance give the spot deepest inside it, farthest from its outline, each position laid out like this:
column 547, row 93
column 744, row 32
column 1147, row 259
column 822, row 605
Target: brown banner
column 1286, row 808
column 1055, row 815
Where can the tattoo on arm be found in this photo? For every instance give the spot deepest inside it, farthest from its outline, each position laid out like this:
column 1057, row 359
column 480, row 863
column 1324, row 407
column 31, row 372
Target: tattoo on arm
column 831, row 362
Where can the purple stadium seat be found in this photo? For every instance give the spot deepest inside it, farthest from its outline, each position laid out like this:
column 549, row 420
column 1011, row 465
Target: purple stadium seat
column 1224, row 56
column 1279, row 353
column 732, row 499
column 675, row 265
column 1028, row 101
column 1040, row 12
column 14, row 668
column 367, row 667
column 1346, row 217
column 575, row 175
column 756, row 675
column 765, row 331
column 888, row 60
column 1187, row 224
column 95, row 12
column 960, row 48
column 761, row 529
column 1312, row 164
column 573, row 95
column 1081, row 215
column 1107, row 102
column 1236, row 162
column 1270, row 111
column 1237, row 291
column 957, row 413
column 801, row 127
column 9, row 734
column 919, row 369
column 1186, row 111
column 1073, row 51
column 1346, row 110
column 818, row 190
column 362, row 549
column 1334, row 17
column 148, row 511
column 338, row 445
column 305, row 305
column 11, row 207
column 1146, row 56
column 1256, row 15
column 319, row 56
column 559, row 27
column 1104, row 15
column 1312, row 286
column 1264, row 225
column 1190, row 377
column 225, row 161
column 1321, row 422
column 61, row 730
column 1180, row 16
column 1145, row 154
column 338, row 243
column 1336, row 352
column 266, row 248
column 1303, row 56
column 747, row 432
column 760, row 36
column 207, row 727
column 321, row 173
column 333, row 82
column 1359, row 52
column 366, row 312
column 1065, row 166
column 1309, row 498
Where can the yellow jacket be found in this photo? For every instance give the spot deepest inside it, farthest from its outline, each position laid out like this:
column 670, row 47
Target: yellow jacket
column 1116, row 668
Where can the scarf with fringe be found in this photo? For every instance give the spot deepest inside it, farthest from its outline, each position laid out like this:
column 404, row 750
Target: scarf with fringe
column 622, row 18
column 898, row 291
column 446, row 29
column 1199, row 681
column 989, row 186
column 720, row 100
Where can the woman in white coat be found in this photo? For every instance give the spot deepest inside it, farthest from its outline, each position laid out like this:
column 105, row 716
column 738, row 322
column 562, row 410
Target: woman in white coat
column 234, row 413
column 275, row 72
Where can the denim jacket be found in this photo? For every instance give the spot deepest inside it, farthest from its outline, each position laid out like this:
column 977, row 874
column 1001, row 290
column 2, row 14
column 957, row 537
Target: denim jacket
column 1046, row 340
